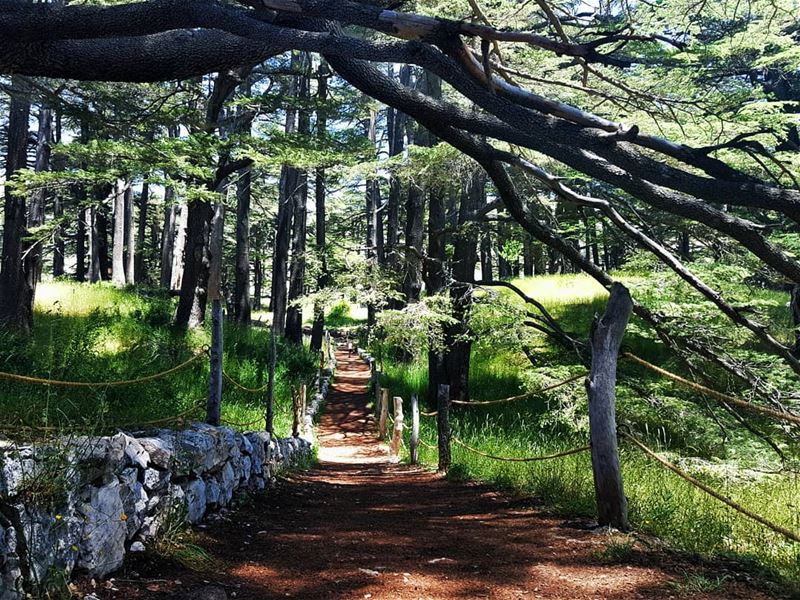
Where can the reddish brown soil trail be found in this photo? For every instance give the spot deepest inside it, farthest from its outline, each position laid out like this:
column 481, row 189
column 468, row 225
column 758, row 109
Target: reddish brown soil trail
column 357, row 526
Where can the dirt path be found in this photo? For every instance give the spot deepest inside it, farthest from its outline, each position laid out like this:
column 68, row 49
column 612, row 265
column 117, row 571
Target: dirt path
column 358, row 527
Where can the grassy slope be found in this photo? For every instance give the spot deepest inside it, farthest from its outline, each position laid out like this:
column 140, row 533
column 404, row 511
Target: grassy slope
column 678, row 423
column 101, row 333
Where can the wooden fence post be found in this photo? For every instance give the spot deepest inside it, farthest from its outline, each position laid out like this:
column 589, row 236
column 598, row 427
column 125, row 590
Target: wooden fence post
column 303, row 399
column 384, row 415
column 606, row 337
column 414, row 429
column 270, row 414
column 397, row 433
column 443, row 426
column 214, row 401
column 295, row 412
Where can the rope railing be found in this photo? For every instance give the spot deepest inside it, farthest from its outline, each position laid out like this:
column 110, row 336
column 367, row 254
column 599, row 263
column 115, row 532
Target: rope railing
column 524, row 396
column 711, row 492
column 196, row 407
column 711, row 393
column 569, row 452
column 87, row 384
column 244, row 388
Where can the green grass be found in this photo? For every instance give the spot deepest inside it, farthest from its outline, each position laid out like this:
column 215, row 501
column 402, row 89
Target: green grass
column 668, row 418
column 100, row 333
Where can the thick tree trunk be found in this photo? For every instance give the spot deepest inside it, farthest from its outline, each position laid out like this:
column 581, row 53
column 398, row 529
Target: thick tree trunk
column 289, row 184
column 435, row 273
column 83, row 218
column 168, row 239
column 34, row 252
column 319, row 201
column 16, row 289
column 241, row 288
column 297, row 269
column 465, row 255
column 443, row 426
column 606, row 337
column 193, row 295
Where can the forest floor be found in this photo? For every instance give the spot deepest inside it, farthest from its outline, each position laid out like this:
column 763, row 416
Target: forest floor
column 358, row 526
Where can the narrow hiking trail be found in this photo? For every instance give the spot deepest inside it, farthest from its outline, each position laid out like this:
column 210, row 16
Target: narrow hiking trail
column 356, row 526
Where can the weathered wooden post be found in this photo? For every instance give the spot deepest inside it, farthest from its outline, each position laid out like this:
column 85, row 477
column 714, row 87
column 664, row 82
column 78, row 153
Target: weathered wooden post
column 214, row 401
column 303, row 399
column 443, row 426
column 606, row 337
column 270, row 413
column 384, row 415
column 295, row 412
column 397, row 433
column 414, row 429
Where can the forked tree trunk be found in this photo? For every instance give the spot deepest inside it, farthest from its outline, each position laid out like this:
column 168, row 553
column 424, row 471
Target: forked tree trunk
column 606, row 337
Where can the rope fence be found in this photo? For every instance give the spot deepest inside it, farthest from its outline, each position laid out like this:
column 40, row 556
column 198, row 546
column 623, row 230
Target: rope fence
column 244, row 388
column 577, row 450
column 711, row 492
column 88, row 384
column 718, row 396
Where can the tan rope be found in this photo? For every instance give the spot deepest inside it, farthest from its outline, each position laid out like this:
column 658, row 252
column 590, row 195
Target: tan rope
column 86, row 384
column 180, row 416
column 521, row 396
column 429, row 414
column 718, row 396
column 724, row 499
column 427, row 445
column 244, row 425
column 526, row 459
column 235, row 383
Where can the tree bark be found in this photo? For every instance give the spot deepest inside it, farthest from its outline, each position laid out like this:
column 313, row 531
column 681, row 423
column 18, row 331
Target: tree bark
column 319, row 201
column 130, row 239
column 241, row 288
column 180, row 247
column 16, row 289
column 118, row 266
column 193, row 295
column 606, row 337
column 168, row 238
column 443, row 427
column 140, row 267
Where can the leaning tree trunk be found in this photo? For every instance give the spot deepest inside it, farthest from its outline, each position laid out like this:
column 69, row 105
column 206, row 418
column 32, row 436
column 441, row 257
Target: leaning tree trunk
column 606, row 338
column 16, row 291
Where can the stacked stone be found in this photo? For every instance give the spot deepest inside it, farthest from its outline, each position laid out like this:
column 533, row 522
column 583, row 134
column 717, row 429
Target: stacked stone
column 104, row 496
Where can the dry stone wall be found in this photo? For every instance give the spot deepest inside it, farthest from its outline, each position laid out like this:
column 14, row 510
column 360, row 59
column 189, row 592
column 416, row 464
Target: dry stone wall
column 83, row 502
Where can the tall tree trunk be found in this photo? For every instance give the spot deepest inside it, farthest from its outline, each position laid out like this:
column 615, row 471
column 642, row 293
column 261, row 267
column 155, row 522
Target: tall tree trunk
column 16, row 290
column 193, row 295
column 241, row 288
column 435, row 281
column 465, row 254
column 288, row 187
column 297, row 271
column 527, row 255
column 140, row 266
column 36, row 211
column 486, row 257
column 130, row 239
column 317, row 331
column 168, row 238
column 180, row 247
column 84, row 219
column 59, row 247
column 412, row 281
column 118, row 266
